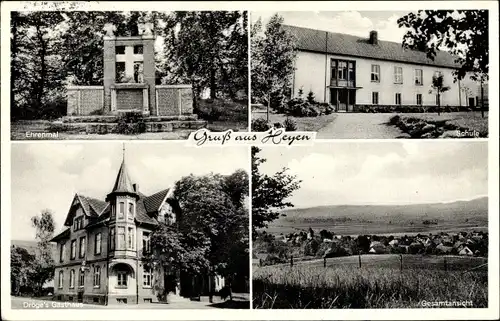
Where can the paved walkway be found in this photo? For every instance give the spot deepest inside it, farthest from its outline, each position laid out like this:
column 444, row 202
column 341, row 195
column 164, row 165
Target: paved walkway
column 360, row 125
column 240, row 302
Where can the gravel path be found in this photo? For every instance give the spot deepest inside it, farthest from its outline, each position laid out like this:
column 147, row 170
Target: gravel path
column 360, row 125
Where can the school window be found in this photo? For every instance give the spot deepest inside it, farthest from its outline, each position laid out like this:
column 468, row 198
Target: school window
column 146, row 242
column 419, row 77
column 398, row 98
column 61, row 252
column 121, row 238
column 61, row 279
column 72, row 279
column 419, row 99
column 147, row 277
column 82, row 246
column 81, row 279
column 73, row 249
column 351, row 75
column 131, row 238
column 342, row 70
column 97, row 244
column 97, row 276
column 130, row 211
column 121, row 210
column 375, row 75
column 122, row 279
column 375, row 98
column 112, row 238
column 398, row 75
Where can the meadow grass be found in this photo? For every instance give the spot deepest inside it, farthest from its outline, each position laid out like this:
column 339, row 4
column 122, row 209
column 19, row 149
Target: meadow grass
column 308, row 286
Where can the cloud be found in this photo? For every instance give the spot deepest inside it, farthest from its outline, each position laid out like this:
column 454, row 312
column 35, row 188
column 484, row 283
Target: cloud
column 348, row 22
column 383, row 173
column 47, row 175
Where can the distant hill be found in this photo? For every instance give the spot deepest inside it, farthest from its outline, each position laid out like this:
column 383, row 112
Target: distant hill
column 390, row 218
column 32, row 246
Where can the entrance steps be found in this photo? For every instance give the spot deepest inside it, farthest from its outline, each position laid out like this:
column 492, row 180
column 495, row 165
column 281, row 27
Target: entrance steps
column 109, row 124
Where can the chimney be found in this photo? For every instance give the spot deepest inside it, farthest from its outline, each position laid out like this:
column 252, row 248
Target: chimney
column 136, row 187
column 373, row 37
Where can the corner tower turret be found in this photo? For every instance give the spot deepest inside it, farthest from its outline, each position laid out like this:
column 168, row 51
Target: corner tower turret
column 123, row 204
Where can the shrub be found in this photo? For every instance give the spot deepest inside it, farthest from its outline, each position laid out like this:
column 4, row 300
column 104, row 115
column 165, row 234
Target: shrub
column 97, row 112
column 130, row 123
column 260, row 125
column 123, row 128
column 326, row 108
column 310, row 97
column 290, row 125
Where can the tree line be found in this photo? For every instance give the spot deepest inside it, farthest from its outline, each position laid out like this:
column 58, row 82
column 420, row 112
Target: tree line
column 51, row 49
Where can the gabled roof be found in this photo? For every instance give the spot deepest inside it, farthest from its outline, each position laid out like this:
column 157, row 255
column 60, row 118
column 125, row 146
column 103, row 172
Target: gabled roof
column 92, row 206
column 152, row 203
column 61, row 236
column 343, row 44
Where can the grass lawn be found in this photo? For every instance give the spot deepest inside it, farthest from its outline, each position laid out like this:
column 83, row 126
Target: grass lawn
column 468, row 120
column 223, row 114
column 21, row 129
column 377, row 284
column 308, row 124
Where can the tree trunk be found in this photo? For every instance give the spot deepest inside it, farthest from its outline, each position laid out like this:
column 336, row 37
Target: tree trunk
column 43, row 69
column 439, row 103
column 268, row 107
column 213, row 85
column 482, row 99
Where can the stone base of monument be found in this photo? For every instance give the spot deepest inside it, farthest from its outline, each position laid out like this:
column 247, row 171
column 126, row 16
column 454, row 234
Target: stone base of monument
column 109, row 124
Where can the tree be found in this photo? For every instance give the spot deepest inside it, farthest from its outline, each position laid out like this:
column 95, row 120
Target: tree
column 438, row 87
column 21, row 270
column 463, row 33
column 36, row 69
column 44, row 265
column 269, row 193
column 212, row 232
column 272, row 61
column 207, row 49
column 82, row 44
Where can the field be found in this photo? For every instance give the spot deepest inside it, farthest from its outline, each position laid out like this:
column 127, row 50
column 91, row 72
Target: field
column 385, row 219
column 379, row 283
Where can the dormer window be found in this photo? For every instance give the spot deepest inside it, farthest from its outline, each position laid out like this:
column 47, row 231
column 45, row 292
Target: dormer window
column 78, row 223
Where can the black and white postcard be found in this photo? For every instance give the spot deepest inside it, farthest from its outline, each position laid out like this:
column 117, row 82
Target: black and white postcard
column 231, row 160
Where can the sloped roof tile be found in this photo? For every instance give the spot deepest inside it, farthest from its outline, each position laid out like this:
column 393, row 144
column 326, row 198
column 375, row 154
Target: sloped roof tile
column 153, row 202
column 343, row 44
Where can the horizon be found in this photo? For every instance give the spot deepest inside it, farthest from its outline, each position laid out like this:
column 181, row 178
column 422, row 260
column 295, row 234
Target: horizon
column 389, row 173
column 392, row 204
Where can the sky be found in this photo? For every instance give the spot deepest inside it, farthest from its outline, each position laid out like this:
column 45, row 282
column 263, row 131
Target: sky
column 383, row 172
column 47, row 175
column 356, row 23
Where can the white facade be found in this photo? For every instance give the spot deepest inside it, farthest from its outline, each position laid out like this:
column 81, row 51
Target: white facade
column 313, row 73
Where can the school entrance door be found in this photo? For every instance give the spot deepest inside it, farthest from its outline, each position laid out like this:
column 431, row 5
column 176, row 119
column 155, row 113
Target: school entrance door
column 343, row 99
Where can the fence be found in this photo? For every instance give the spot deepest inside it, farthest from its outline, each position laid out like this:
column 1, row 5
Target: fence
column 398, row 261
